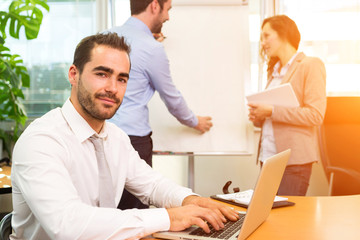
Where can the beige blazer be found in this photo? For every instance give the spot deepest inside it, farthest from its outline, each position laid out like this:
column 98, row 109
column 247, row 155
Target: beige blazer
column 296, row 128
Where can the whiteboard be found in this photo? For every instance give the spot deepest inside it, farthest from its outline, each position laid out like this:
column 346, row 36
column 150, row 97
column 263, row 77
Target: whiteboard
column 208, row 46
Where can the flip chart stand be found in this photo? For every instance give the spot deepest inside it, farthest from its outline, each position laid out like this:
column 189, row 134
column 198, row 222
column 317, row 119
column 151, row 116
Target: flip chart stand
column 191, row 164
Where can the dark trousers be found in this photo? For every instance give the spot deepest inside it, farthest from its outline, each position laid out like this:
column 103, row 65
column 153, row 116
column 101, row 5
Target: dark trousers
column 295, row 181
column 144, row 146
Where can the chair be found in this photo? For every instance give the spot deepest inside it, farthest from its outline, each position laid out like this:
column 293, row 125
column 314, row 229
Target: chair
column 5, row 227
column 339, row 138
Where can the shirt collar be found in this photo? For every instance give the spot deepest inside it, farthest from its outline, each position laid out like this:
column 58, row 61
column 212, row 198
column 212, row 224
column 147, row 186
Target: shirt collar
column 137, row 23
column 285, row 68
column 78, row 124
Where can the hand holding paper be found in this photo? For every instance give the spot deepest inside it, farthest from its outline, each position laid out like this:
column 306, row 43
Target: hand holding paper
column 258, row 112
column 261, row 104
column 282, row 95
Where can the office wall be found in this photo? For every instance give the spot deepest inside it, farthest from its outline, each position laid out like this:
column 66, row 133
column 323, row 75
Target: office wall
column 318, row 182
column 212, row 172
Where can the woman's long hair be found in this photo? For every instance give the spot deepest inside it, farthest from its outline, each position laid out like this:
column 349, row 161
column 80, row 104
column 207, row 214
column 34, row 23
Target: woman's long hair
column 287, row 30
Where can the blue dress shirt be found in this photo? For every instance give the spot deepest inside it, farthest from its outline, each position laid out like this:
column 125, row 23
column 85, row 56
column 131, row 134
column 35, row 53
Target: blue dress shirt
column 149, row 73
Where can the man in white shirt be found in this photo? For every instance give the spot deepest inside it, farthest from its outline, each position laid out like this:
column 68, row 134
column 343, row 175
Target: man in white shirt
column 55, row 176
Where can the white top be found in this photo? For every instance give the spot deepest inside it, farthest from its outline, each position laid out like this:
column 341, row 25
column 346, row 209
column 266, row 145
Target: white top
column 55, row 183
column 268, row 147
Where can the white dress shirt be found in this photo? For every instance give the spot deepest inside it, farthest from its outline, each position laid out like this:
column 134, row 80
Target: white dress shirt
column 55, row 183
column 268, row 147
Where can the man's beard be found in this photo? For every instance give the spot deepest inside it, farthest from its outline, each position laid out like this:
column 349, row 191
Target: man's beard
column 157, row 28
column 90, row 107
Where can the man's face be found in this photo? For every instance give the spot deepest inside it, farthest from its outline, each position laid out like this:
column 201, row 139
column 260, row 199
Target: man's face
column 163, row 16
column 99, row 90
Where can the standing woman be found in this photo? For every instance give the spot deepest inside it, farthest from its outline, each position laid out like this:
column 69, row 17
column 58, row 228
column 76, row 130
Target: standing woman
column 290, row 127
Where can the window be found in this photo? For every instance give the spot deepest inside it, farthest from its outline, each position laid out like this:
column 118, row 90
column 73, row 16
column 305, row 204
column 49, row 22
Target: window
column 254, row 34
column 120, row 11
column 49, row 57
column 328, row 31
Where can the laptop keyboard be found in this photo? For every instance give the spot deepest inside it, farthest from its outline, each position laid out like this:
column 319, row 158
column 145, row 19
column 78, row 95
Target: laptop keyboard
column 229, row 229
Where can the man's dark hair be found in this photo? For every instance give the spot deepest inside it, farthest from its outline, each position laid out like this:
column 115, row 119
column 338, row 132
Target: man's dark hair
column 139, row 6
column 83, row 50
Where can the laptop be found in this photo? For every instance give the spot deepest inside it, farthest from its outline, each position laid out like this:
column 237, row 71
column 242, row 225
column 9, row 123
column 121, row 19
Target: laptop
column 259, row 208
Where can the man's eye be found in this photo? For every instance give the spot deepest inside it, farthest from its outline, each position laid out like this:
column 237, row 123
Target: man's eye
column 101, row 74
column 123, row 80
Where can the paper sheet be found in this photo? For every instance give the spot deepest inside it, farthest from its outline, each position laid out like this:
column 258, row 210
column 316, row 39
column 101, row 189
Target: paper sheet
column 282, row 95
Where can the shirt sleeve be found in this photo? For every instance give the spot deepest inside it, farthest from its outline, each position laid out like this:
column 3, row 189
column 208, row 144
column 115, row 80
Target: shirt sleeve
column 151, row 187
column 313, row 105
column 159, row 72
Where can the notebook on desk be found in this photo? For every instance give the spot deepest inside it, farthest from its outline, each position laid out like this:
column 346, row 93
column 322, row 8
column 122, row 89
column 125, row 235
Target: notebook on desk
column 243, row 199
column 259, row 208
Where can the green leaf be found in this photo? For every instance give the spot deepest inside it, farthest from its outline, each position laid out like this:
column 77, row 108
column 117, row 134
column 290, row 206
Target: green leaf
column 26, row 14
column 32, row 28
column 25, row 79
column 43, row 4
column 3, row 48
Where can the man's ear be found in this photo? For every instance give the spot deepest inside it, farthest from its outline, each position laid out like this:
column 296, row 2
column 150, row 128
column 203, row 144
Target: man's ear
column 154, row 5
column 73, row 72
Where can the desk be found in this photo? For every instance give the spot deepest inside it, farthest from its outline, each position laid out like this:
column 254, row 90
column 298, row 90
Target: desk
column 320, row 218
column 5, row 181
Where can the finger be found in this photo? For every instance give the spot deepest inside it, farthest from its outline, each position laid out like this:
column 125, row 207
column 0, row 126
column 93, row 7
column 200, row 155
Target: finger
column 212, row 218
column 230, row 213
column 220, row 215
column 226, row 211
column 201, row 223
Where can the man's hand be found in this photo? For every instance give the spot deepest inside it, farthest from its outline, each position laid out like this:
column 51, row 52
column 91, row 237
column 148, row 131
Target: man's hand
column 159, row 37
column 186, row 216
column 222, row 210
column 200, row 211
column 204, row 124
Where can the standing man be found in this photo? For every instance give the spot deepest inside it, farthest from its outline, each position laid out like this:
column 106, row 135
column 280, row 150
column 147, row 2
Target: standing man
column 70, row 166
column 149, row 73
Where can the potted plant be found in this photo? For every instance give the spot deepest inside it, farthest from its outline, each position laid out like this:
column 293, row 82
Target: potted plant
column 27, row 15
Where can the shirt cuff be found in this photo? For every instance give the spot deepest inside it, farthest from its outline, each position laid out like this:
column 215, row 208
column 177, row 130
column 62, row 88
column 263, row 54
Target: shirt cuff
column 194, row 122
column 182, row 195
column 156, row 219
